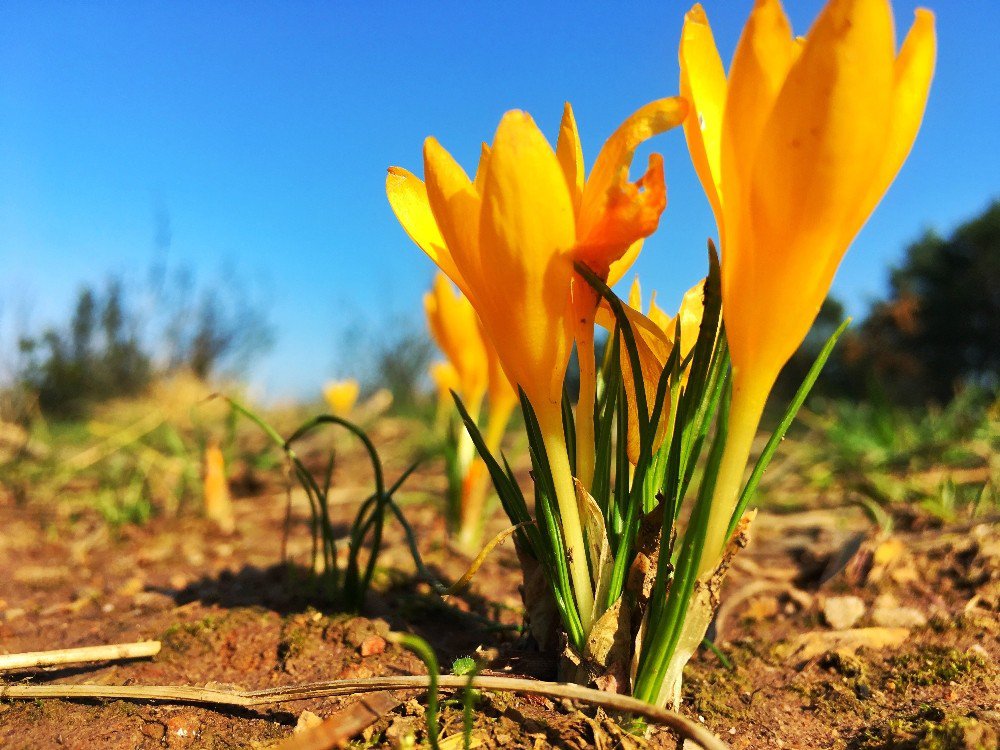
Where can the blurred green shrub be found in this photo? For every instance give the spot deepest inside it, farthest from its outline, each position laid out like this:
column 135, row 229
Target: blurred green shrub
column 111, row 347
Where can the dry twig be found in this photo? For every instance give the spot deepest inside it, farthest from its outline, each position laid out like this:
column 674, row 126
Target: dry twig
column 683, row 726
column 114, row 652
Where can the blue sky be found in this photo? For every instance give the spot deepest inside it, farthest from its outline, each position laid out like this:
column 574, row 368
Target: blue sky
column 262, row 131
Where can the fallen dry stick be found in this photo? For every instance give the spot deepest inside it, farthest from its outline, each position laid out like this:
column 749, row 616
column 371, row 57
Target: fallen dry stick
column 683, row 726
column 114, row 652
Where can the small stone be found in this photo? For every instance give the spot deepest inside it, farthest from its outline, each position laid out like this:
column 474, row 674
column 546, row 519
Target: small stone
column 372, row 645
column 182, row 729
column 307, row 720
column 842, row 612
column 810, row 645
column 899, row 617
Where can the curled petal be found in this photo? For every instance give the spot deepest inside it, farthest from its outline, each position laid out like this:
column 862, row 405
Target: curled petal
column 614, row 213
column 631, row 212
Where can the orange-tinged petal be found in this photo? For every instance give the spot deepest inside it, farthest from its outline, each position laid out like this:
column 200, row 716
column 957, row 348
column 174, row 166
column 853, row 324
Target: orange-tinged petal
column 614, row 213
column 632, row 212
column 408, row 198
column 525, row 235
column 569, row 150
column 703, row 85
column 812, row 168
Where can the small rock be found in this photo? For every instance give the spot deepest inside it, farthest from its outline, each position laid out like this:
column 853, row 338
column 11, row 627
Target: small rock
column 182, row 729
column 899, row 617
column 372, row 645
column 982, row 653
column 307, row 720
column 842, row 612
column 810, row 645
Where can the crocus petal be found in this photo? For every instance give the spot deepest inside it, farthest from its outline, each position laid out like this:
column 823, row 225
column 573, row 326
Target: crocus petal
column 912, row 75
column 703, row 85
column 341, row 396
column 632, row 212
column 615, row 213
column 484, row 160
column 654, row 349
column 454, row 326
column 569, row 150
column 455, row 204
column 620, row 267
column 763, row 57
column 408, row 198
column 812, row 168
column 689, row 315
column 527, row 230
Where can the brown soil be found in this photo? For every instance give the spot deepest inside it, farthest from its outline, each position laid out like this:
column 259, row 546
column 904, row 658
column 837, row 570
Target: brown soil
column 228, row 612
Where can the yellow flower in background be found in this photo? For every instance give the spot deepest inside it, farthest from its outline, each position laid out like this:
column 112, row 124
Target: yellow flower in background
column 445, row 379
column 455, row 328
column 341, row 395
column 473, row 372
column 794, row 151
column 218, row 503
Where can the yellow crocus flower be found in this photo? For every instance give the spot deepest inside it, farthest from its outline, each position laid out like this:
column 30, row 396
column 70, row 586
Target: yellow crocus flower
column 455, row 328
column 508, row 239
column 341, row 395
column 794, row 151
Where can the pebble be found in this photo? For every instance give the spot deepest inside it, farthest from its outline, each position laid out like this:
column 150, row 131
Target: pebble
column 372, row 645
column 307, row 720
column 889, row 614
column 842, row 612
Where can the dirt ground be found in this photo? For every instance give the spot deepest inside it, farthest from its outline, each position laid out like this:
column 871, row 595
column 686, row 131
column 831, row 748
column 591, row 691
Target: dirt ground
column 832, row 636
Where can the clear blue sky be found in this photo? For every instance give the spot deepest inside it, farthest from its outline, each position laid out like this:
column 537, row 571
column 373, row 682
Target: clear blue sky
column 263, row 131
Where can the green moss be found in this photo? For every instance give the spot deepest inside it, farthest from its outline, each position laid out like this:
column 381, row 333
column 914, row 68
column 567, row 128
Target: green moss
column 959, row 734
column 718, row 692
column 933, row 665
column 930, row 728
